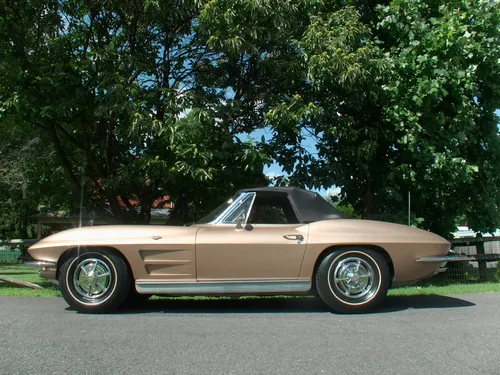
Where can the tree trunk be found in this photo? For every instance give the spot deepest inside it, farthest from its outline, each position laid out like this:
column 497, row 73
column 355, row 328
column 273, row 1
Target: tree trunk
column 145, row 214
column 115, row 207
column 179, row 211
column 63, row 159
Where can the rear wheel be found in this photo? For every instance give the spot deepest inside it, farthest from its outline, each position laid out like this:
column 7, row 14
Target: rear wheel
column 353, row 280
column 96, row 281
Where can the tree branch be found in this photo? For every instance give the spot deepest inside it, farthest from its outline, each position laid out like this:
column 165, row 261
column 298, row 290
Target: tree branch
column 63, row 159
column 69, row 137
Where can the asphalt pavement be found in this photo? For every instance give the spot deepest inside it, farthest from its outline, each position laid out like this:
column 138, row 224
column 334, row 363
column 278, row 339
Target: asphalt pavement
column 408, row 335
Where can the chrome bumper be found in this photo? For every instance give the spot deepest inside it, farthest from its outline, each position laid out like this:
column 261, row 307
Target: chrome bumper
column 444, row 258
column 48, row 270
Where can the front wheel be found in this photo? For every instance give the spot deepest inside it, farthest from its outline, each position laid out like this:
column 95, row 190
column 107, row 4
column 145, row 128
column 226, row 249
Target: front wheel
column 96, row 281
column 353, row 280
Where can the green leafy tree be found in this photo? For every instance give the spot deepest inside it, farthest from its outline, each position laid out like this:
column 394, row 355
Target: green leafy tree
column 108, row 85
column 440, row 100
column 399, row 97
column 30, row 182
column 145, row 98
column 339, row 111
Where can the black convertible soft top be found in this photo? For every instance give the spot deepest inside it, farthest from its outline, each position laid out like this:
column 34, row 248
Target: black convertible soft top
column 308, row 205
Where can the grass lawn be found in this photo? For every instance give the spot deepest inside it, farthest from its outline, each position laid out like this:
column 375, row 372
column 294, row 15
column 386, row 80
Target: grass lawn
column 28, row 274
column 433, row 286
column 442, row 290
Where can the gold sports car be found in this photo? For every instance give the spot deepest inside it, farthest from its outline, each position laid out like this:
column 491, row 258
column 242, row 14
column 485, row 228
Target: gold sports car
column 262, row 241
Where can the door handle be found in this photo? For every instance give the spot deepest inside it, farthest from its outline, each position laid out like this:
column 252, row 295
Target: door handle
column 298, row 237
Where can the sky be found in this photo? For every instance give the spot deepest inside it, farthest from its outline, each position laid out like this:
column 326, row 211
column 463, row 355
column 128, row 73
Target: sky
column 275, row 170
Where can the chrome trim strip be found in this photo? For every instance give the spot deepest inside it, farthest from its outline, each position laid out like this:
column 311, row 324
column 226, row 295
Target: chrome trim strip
column 39, row 264
column 232, row 287
column 444, row 258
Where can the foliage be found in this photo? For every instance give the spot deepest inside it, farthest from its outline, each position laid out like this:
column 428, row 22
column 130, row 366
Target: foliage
column 402, row 100
column 108, row 86
column 345, row 209
column 141, row 99
column 348, row 211
column 30, row 182
column 441, row 98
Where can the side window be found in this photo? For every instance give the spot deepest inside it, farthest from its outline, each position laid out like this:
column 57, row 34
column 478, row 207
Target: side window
column 268, row 215
column 272, row 209
column 240, row 211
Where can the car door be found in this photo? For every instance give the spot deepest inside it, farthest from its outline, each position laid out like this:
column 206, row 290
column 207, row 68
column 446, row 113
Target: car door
column 245, row 248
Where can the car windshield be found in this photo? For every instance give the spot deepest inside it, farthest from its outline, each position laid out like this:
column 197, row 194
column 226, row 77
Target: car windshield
column 217, row 212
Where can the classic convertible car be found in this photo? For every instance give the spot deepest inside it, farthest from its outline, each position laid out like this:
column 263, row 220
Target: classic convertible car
column 262, row 241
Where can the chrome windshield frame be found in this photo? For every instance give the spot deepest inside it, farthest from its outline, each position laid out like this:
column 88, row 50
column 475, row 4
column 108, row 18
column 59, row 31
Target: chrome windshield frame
column 233, row 206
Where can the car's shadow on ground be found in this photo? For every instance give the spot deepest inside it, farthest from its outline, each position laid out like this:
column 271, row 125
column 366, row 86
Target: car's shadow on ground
column 282, row 305
column 401, row 303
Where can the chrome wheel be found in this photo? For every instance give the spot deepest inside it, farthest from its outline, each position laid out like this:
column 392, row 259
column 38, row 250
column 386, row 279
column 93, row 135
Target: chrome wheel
column 95, row 281
column 354, row 278
column 92, row 278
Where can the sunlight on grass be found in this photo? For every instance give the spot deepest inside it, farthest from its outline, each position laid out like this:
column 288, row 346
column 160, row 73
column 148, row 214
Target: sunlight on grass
column 28, row 274
column 26, row 292
column 446, row 289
